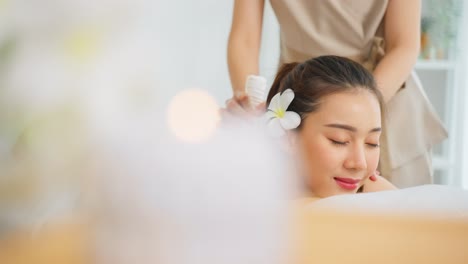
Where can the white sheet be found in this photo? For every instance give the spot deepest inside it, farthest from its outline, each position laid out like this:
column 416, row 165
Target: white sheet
column 435, row 201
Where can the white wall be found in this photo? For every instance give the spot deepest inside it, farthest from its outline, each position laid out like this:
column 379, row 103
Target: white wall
column 192, row 37
column 463, row 156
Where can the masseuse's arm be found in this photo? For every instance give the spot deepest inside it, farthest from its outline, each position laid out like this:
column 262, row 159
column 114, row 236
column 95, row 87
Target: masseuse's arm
column 244, row 42
column 402, row 43
column 381, row 184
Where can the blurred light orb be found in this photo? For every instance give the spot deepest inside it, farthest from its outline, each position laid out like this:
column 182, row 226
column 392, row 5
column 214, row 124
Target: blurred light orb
column 193, row 115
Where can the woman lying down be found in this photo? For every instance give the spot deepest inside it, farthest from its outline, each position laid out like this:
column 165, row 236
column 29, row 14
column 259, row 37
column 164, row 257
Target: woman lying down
column 330, row 111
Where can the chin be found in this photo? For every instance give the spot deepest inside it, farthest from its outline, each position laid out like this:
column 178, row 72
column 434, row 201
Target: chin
column 325, row 194
column 336, row 192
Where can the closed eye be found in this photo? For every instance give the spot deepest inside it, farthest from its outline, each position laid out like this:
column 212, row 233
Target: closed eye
column 373, row 145
column 340, row 143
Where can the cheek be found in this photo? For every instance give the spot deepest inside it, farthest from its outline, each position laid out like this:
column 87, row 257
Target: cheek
column 373, row 160
column 321, row 156
column 322, row 161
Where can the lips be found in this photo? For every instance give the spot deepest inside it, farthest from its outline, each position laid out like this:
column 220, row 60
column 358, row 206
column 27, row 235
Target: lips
column 347, row 183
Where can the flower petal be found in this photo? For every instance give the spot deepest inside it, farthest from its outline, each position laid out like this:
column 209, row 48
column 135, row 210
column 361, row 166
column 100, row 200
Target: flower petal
column 269, row 115
column 286, row 98
column 290, row 120
column 275, row 103
column 274, row 128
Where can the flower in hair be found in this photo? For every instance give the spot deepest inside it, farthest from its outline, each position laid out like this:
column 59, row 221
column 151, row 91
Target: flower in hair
column 278, row 119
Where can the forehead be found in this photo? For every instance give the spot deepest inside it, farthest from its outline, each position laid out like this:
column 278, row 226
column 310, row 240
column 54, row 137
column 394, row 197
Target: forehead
column 356, row 108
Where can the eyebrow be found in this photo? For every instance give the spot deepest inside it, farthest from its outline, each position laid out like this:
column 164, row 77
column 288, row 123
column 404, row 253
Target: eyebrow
column 352, row 129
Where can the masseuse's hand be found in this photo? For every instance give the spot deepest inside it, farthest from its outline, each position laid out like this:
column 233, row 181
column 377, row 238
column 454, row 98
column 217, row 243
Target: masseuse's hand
column 239, row 107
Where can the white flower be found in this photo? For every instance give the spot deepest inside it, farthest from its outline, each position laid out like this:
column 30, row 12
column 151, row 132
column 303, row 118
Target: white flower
column 278, row 119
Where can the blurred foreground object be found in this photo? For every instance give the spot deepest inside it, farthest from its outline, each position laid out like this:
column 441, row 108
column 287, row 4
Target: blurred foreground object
column 427, row 224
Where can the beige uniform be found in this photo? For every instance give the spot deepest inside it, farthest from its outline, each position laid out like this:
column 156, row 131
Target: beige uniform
column 354, row 29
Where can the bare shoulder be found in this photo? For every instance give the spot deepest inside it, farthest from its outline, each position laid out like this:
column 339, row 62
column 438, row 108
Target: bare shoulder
column 381, row 184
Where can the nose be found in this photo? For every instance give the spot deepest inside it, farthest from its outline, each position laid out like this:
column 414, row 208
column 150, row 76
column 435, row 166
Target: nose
column 356, row 159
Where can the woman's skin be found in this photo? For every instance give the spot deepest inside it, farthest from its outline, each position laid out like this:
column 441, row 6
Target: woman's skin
column 339, row 145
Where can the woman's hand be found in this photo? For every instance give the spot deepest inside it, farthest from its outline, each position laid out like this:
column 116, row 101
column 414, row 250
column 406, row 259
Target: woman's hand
column 373, row 177
column 378, row 183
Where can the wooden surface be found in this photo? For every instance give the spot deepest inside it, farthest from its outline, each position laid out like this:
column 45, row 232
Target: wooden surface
column 321, row 237
column 331, row 237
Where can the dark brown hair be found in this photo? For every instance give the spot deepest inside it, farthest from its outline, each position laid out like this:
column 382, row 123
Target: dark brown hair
column 321, row 76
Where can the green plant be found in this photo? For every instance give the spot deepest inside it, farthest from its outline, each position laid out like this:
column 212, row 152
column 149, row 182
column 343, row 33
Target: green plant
column 426, row 23
column 442, row 22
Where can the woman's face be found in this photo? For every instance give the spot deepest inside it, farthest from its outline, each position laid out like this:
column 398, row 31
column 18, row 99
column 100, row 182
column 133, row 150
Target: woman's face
column 340, row 143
